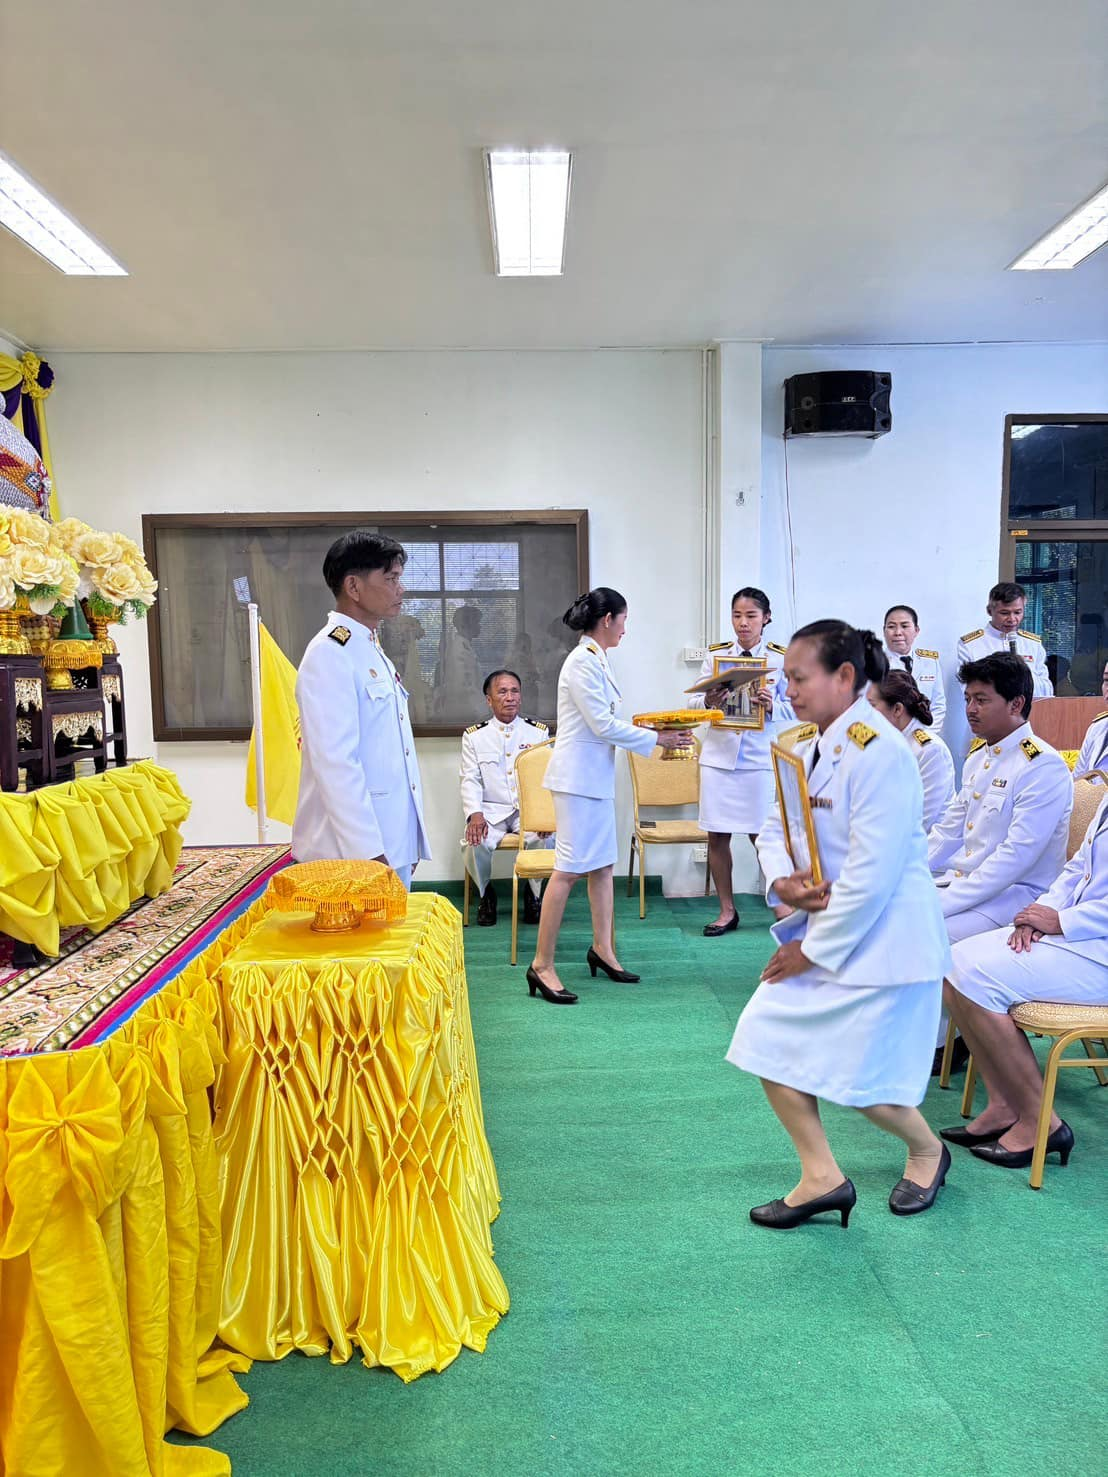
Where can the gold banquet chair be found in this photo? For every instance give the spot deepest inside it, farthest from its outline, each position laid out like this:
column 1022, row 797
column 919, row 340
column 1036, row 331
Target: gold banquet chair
column 1088, row 792
column 536, row 813
column 510, row 842
column 662, row 784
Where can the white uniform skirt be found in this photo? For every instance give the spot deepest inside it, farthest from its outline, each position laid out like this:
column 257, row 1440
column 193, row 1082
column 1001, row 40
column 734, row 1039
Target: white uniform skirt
column 734, row 800
column 986, row 971
column 855, row 1045
column 586, row 836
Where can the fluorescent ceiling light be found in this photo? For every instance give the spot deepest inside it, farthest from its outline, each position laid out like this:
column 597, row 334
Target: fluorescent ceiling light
column 528, row 193
column 1082, row 232
column 35, row 219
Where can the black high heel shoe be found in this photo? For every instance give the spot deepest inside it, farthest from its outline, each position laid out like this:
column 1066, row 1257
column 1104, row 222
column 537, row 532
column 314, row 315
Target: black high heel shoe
column 780, row 1216
column 535, row 986
column 621, row 976
column 1060, row 1142
column 908, row 1198
column 966, row 1140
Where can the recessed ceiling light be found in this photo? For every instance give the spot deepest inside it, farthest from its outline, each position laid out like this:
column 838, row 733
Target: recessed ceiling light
column 35, row 219
column 528, row 193
column 1082, row 232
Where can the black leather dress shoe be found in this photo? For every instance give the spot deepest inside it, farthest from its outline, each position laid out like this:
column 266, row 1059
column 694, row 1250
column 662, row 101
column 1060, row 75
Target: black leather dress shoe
column 966, row 1140
column 532, row 907
column 486, row 908
column 780, row 1216
column 908, row 1198
column 959, row 1056
column 715, row 930
column 1060, row 1142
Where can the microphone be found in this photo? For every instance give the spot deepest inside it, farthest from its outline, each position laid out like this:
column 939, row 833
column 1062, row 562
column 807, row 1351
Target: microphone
column 1012, row 645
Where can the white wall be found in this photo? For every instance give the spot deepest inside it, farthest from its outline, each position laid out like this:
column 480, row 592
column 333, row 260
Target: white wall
column 915, row 515
column 616, row 432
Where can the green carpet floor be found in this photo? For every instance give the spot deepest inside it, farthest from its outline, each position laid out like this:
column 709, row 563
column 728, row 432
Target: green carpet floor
column 655, row 1330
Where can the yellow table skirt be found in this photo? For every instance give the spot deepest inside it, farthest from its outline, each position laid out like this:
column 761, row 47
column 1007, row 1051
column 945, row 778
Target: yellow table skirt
column 357, row 1185
column 81, row 853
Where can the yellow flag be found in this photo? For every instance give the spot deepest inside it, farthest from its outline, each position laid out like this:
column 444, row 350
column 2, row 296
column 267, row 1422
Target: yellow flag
column 280, row 734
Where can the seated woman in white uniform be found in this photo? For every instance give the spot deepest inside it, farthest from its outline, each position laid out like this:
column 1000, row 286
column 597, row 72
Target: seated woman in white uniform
column 848, row 1005
column 582, row 776
column 897, row 698
column 1094, row 747
column 1057, row 950
column 736, row 776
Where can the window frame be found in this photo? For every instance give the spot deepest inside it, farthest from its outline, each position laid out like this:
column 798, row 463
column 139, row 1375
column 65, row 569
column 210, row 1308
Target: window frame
column 576, row 518
column 1051, row 530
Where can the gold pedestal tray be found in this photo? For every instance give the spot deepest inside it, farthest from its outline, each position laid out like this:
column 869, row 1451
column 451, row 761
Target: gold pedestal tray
column 679, row 718
column 341, row 894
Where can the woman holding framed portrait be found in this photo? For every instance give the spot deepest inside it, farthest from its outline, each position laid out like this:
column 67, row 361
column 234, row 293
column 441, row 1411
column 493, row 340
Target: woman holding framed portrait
column 736, row 776
column 848, row 1005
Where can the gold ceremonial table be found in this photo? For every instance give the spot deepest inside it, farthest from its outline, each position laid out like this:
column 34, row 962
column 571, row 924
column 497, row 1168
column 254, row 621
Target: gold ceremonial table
column 356, row 1182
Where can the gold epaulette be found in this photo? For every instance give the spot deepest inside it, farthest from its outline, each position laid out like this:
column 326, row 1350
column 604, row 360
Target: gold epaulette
column 799, row 734
column 861, row 733
column 473, row 727
column 773, row 646
column 721, row 645
column 589, row 646
column 341, row 634
column 538, row 723
column 1030, row 636
column 972, row 635
column 1030, row 748
column 923, row 651
column 921, row 736
column 978, row 743
column 1099, row 716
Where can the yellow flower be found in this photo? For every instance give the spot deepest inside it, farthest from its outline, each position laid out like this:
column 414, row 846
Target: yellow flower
column 99, row 549
column 30, row 566
column 119, row 584
column 26, row 528
column 69, row 581
column 7, row 591
column 5, row 536
column 70, row 532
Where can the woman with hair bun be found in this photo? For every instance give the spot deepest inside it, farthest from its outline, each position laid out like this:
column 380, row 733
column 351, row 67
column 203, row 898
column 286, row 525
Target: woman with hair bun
column 848, row 1005
column 898, row 699
column 582, row 776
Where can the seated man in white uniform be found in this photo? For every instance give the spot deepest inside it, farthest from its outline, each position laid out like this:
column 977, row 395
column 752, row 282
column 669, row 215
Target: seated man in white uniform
column 1005, row 607
column 1003, row 837
column 920, row 662
column 1057, row 950
column 490, row 798
column 1094, row 748
column 360, row 793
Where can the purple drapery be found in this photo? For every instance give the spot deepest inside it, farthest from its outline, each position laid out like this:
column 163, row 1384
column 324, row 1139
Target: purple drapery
column 12, row 398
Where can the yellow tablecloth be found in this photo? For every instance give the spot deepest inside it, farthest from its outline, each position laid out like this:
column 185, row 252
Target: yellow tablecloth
column 81, row 853
column 357, row 1185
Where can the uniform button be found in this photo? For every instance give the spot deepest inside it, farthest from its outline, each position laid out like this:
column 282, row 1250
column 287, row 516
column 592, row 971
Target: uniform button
column 986, row 764
column 838, row 748
column 959, row 874
column 969, row 825
column 407, row 752
column 413, row 789
column 996, row 748
column 977, row 794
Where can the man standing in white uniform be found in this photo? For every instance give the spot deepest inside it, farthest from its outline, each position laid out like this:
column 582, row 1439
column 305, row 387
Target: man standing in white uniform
column 1005, row 607
column 901, row 633
column 360, row 791
column 490, row 798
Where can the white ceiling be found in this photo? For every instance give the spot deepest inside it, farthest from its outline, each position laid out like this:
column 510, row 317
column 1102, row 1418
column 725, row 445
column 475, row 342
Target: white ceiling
column 282, row 175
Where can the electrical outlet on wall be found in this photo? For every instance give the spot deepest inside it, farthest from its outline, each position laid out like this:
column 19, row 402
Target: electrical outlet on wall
column 700, row 853
column 694, row 653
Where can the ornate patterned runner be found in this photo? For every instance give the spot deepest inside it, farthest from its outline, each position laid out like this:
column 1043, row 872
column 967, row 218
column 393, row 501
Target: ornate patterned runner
column 101, row 978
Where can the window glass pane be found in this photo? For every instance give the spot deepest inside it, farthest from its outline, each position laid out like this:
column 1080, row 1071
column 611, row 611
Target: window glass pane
column 1058, row 472
column 422, row 569
column 482, row 566
column 1067, row 605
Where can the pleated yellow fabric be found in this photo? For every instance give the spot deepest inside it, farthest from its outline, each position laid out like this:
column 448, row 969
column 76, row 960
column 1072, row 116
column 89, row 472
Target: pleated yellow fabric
column 357, row 1182
column 81, row 853
column 110, row 1255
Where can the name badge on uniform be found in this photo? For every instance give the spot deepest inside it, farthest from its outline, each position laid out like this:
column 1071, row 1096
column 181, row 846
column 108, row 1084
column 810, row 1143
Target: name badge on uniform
column 999, row 784
column 613, row 707
column 820, row 802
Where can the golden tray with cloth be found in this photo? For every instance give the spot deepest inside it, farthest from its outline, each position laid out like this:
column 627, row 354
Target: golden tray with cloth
column 677, row 718
column 341, row 894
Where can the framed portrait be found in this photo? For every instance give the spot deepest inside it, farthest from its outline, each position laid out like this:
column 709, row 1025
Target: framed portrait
column 796, row 811
column 739, row 708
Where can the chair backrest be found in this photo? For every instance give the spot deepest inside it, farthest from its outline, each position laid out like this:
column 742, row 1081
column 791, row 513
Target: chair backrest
column 536, row 805
column 1062, row 721
column 1087, row 795
column 659, row 781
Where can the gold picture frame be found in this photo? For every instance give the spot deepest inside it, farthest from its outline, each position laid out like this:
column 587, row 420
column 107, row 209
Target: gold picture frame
column 739, row 709
column 797, row 820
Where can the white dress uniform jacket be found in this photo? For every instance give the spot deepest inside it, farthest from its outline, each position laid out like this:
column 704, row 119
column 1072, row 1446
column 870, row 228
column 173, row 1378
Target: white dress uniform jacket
column 360, row 791
column 488, row 772
column 731, row 748
column 1003, row 838
column 927, row 671
column 1080, row 897
column 882, row 925
column 936, row 770
column 1094, row 747
column 584, row 759
column 976, row 644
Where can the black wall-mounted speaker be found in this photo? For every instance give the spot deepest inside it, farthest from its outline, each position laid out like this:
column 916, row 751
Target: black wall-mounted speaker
column 839, row 402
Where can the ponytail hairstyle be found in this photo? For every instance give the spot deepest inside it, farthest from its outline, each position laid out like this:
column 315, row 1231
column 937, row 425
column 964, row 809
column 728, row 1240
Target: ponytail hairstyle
column 837, row 643
column 900, row 687
column 587, row 611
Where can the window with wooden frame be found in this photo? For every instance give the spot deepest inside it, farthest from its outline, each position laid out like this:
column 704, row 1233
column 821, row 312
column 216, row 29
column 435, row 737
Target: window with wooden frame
column 1054, row 539
column 482, row 590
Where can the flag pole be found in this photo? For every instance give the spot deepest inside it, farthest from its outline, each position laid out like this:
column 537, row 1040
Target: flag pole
column 256, row 701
